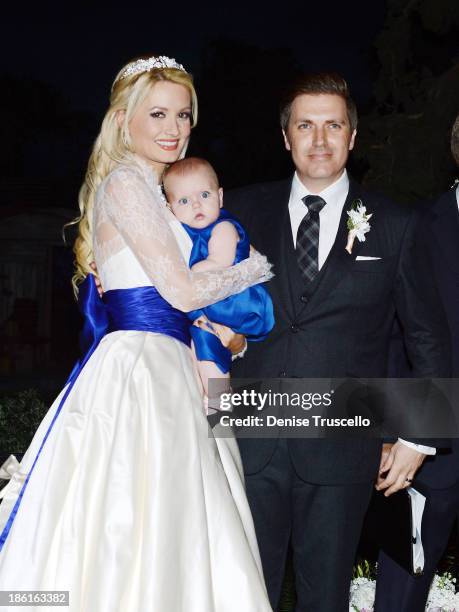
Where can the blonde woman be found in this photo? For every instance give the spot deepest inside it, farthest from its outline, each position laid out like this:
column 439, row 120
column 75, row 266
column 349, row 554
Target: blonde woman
column 123, row 499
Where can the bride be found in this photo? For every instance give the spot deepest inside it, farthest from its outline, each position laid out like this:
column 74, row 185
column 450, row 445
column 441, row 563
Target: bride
column 124, row 498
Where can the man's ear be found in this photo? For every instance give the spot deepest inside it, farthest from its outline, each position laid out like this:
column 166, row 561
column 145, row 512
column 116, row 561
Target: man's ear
column 120, row 116
column 220, row 196
column 352, row 141
column 286, row 141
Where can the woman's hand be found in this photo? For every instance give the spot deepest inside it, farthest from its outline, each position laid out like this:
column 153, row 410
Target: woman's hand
column 232, row 341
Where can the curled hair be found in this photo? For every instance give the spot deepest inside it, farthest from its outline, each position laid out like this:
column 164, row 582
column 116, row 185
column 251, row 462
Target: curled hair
column 111, row 146
column 455, row 141
column 186, row 166
column 315, row 84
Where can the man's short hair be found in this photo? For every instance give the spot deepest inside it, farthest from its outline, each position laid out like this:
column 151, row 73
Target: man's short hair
column 455, row 141
column 315, row 84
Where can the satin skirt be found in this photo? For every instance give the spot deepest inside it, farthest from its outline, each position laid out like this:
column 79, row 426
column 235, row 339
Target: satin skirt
column 133, row 506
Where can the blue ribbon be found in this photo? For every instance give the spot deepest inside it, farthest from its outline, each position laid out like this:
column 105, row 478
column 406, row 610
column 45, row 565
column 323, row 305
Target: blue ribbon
column 208, row 347
column 139, row 309
column 95, row 322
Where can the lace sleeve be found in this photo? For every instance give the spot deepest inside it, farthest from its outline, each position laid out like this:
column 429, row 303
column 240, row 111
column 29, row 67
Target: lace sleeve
column 138, row 214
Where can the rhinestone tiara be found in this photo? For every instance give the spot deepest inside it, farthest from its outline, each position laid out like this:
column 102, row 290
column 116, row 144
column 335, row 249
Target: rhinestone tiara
column 145, row 65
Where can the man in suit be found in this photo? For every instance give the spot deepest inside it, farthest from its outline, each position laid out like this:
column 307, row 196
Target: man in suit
column 439, row 477
column 334, row 312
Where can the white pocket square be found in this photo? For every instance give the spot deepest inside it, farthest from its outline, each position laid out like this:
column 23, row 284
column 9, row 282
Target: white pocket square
column 363, row 258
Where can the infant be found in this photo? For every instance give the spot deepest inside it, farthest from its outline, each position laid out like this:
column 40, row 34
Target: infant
column 219, row 240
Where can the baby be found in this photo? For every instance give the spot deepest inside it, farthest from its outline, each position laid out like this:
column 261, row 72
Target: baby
column 219, row 240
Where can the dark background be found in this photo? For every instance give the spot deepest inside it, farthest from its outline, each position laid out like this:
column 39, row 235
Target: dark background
column 400, row 57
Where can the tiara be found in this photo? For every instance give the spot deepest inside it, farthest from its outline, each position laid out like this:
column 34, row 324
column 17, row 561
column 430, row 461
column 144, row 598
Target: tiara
column 145, row 65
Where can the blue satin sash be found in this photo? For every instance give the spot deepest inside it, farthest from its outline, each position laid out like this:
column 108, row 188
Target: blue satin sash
column 249, row 312
column 139, row 309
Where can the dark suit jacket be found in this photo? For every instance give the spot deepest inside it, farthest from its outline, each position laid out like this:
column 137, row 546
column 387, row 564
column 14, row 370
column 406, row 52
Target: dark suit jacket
column 339, row 326
column 441, row 239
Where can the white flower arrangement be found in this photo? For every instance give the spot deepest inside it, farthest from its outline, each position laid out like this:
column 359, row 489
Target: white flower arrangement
column 357, row 224
column 362, row 595
column 442, row 595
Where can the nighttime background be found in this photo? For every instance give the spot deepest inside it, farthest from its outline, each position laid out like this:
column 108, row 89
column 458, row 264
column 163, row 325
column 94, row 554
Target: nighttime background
column 400, row 57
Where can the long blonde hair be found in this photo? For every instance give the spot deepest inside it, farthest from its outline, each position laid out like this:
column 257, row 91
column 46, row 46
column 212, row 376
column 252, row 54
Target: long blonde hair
column 111, row 146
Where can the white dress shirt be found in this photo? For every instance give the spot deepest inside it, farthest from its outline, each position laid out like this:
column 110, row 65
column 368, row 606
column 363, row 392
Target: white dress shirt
column 335, row 197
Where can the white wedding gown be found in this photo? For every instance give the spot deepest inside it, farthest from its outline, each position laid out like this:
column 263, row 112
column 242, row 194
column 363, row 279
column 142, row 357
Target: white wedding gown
column 133, row 505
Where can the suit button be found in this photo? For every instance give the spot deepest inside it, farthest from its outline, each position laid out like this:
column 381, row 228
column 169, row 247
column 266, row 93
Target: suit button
column 282, row 374
column 304, row 299
column 294, row 328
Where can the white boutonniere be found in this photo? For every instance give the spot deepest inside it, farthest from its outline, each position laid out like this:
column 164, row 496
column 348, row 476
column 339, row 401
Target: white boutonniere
column 357, row 224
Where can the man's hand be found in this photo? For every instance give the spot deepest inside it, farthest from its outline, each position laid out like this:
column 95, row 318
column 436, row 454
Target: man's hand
column 234, row 342
column 96, row 278
column 399, row 464
column 385, row 452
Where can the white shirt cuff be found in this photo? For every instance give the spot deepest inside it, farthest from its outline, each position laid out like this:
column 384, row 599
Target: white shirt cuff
column 425, row 450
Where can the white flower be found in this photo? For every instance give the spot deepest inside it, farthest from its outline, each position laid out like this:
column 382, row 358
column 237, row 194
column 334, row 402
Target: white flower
column 442, row 595
column 362, row 595
column 357, row 224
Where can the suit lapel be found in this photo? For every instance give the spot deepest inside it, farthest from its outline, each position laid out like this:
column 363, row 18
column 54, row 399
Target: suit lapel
column 295, row 284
